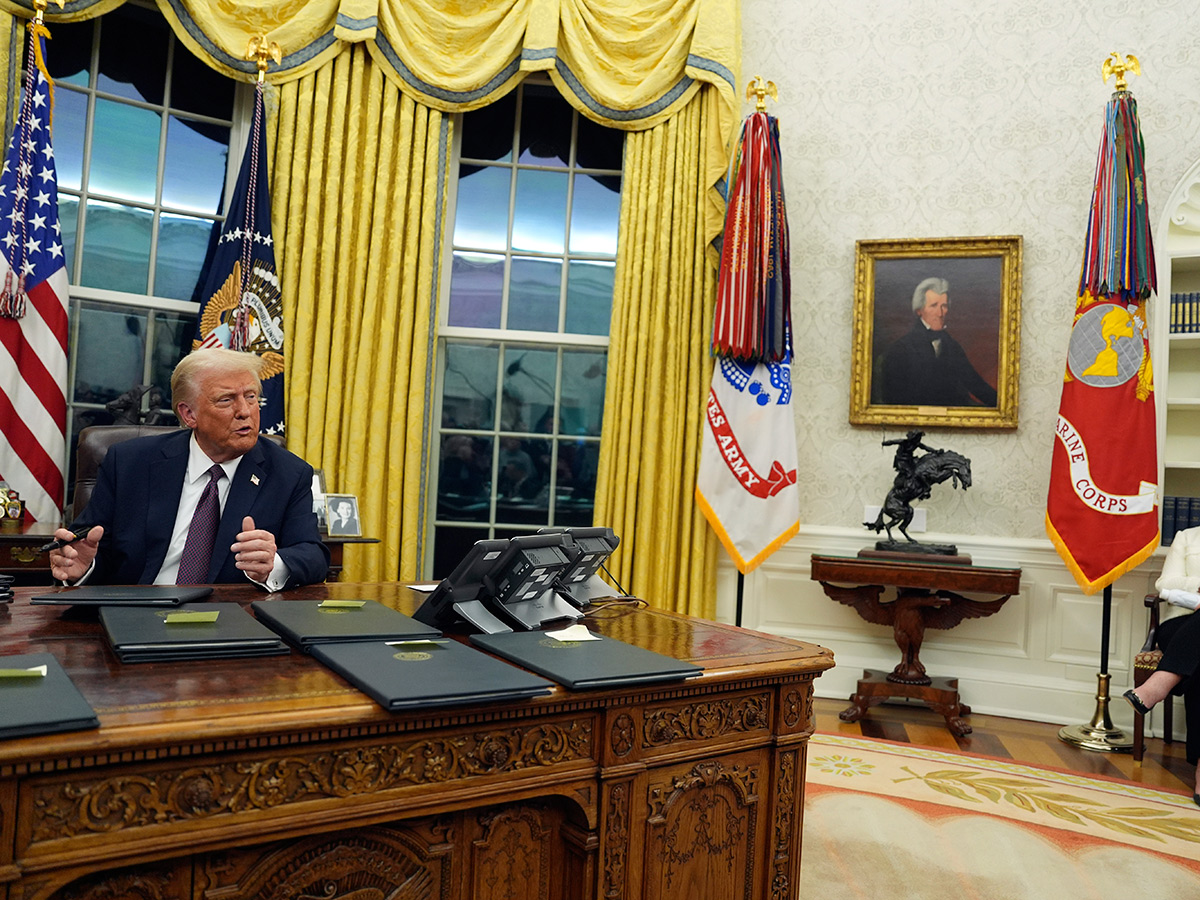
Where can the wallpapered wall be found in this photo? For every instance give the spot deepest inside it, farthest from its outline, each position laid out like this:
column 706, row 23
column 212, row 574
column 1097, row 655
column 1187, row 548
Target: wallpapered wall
column 916, row 118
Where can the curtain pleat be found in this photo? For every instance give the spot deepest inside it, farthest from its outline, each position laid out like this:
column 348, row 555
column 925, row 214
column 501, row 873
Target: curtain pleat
column 659, row 370
column 360, row 190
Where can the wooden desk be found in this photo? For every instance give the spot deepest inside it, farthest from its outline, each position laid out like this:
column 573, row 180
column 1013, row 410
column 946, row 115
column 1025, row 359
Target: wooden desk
column 926, row 597
column 273, row 778
column 20, row 556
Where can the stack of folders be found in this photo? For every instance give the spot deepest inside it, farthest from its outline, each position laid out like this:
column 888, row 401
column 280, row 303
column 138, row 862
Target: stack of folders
column 192, row 631
column 305, row 623
column 38, row 697
column 426, row 674
column 123, row 595
column 583, row 660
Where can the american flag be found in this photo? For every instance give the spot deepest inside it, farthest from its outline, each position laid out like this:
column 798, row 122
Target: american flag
column 33, row 307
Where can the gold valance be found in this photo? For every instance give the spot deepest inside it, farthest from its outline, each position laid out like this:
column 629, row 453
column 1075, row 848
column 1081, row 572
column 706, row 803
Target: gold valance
column 629, row 64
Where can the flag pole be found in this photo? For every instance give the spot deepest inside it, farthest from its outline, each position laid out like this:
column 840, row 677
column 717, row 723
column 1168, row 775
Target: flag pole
column 1131, row 283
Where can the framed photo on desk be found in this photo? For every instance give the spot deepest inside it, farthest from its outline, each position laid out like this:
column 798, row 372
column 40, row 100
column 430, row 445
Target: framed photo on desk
column 341, row 515
column 936, row 332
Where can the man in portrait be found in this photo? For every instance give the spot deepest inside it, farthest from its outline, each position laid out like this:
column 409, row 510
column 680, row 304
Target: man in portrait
column 927, row 366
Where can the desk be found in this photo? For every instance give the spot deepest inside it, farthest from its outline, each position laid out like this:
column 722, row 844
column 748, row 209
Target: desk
column 20, row 556
column 926, row 597
column 272, row 778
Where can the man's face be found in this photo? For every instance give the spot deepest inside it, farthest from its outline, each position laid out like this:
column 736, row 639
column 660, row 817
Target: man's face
column 224, row 414
column 933, row 313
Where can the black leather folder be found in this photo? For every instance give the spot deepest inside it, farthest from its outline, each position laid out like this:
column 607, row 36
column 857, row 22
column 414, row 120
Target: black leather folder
column 45, row 705
column 583, row 665
column 303, row 623
column 145, row 635
column 123, row 595
column 427, row 674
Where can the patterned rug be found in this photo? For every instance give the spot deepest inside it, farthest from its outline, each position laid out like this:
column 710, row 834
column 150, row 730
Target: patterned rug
column 886, row 820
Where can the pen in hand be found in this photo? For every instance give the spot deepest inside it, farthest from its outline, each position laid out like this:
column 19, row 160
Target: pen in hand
column 79, row 534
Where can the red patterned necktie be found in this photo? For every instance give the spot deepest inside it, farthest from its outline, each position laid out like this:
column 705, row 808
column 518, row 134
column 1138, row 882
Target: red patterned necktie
column 197, row 549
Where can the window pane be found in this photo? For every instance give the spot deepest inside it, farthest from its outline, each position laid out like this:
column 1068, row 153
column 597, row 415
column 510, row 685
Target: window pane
column 595, row 214
column 589, row 297
column 528, row 390
column 133, row 53
column 110, row 353
column 194, row 170
column 582, row 392
column 68, row 220
column 124, row 151
column 116, row 247
column 197, row 88
column 68, row 57
column 533, row 289
column 540, row 213
column 476, row 290
column 450, row 545
column 469, row 386
column 545, row 127
column 465, row 479
column 172, row 341
column 523, row 481
column 598, row 147
column 487, row 133
column 482, row 217
column 70, row 123
column 575, row 482
column 182, row 244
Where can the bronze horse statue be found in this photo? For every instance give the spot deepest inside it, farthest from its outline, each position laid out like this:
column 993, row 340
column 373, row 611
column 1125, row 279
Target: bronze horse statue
column 934, row 467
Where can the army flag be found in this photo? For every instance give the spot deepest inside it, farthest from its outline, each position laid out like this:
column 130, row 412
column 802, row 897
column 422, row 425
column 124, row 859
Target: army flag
column 1102, row 508
column 746, row 483
column 241, row 303
column 33, row 303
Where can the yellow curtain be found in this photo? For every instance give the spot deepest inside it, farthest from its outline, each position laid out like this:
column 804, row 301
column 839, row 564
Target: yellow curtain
column 659, row 369
column 358, row 177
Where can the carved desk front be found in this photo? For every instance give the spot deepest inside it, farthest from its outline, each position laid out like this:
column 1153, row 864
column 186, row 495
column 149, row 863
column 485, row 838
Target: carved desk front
column 273, row 778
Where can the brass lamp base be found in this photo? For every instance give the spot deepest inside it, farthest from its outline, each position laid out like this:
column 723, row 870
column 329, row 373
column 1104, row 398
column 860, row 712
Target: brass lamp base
column 1098, row 734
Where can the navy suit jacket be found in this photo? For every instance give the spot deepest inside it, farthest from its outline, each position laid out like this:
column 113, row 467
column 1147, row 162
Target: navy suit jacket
column 136, row 498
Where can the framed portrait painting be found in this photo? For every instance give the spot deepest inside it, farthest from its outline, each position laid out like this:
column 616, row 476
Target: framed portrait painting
column 937, row 328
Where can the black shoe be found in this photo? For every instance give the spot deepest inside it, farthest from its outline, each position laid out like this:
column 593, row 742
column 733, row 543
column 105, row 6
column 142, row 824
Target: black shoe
column 1136, row 702
column 1196, row 799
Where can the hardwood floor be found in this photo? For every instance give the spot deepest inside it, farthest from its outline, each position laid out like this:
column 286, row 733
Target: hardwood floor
column 1164, row 766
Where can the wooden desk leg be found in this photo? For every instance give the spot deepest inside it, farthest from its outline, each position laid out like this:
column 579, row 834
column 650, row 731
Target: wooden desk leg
column 941, row 695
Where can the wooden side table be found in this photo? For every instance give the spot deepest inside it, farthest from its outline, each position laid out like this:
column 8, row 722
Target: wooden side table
column 335, row 545
column 926, row 597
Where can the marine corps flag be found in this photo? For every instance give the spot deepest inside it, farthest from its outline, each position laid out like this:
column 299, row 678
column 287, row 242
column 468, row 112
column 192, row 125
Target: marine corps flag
column 746, row 484
column 33, row 303
column 1102, row 510
column 240, row 302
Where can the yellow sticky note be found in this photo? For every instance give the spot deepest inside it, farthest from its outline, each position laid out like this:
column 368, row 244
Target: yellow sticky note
column 343, row 604
column 191, row 617
column 35, row 672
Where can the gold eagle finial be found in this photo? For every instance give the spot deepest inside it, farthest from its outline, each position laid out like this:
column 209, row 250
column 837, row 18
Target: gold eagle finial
column 758, row 90
column 262, row 51
column 1114, row 65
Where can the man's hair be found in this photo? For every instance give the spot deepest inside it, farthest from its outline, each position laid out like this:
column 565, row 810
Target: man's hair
column 937, row 285
column 211, row 360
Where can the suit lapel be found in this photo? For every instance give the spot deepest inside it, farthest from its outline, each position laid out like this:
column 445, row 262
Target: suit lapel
column 243, row 494
column 167, row 470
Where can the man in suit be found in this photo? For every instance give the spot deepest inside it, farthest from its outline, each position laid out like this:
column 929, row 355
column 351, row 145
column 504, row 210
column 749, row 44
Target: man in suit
column 927, row 366
column 148, row 490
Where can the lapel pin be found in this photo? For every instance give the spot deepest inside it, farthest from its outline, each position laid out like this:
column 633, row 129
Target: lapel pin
column 254, row 480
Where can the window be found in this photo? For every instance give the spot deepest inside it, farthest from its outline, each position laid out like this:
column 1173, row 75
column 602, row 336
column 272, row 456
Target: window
column 141, row 142
column 525, row 316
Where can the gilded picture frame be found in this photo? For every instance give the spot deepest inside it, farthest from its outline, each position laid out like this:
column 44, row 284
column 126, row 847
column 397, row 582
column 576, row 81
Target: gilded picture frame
column 903, row 370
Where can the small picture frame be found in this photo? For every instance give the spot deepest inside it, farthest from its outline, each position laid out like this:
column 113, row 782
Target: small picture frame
column 970, row 377
column 318, row 494
column 341, row 515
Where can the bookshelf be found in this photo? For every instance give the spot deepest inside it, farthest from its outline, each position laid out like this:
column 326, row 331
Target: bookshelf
column 1175, row 352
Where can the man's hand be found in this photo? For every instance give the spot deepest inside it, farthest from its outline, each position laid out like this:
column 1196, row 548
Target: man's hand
column 71, row 562
column 254, row 551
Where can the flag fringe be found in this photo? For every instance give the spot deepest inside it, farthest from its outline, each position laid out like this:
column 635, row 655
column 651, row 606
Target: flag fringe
column 1091, row 586
column 744, row 566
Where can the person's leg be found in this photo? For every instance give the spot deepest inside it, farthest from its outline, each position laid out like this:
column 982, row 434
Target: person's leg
column 1179, row 638
column 1156, row 688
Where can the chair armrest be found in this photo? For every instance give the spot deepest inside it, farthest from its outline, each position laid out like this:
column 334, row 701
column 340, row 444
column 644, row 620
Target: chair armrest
column 1152, row 602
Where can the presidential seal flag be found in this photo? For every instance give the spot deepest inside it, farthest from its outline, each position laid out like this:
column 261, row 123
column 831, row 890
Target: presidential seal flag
column 33, row 303
column 1102, row 509
column 241, row 303
column 746, row 482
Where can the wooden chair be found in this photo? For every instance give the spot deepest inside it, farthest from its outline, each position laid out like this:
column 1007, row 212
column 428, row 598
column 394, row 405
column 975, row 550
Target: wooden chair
column 1144, row 664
